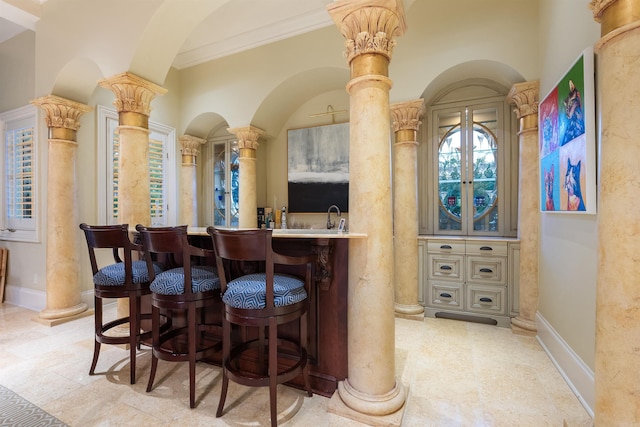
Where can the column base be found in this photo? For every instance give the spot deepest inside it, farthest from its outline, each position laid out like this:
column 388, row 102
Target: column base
column 527, row 325
column 49, row 317
column 411, row 312
column 387, row 409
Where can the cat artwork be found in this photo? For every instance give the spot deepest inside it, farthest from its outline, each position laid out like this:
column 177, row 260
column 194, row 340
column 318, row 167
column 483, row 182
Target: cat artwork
column 572, row 185
column 548, row 189
column 574, row 114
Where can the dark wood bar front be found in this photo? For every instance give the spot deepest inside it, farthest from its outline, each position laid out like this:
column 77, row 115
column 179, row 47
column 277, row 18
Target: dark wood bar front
column 328, row 305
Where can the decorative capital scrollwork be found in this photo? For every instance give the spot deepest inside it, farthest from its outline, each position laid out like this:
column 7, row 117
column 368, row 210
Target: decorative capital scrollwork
column 190, row 145
column 61, row 112
column 598, row 7
column 370, row 26
column 247, row 136
column 133, row 93
column 525, row 97
column 407, row 115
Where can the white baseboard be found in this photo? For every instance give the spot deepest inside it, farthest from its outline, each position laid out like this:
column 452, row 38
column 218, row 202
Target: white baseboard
column 575, row 372
column 35, row 300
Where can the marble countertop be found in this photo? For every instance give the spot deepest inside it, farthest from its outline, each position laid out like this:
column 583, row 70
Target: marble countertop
column 299, row 233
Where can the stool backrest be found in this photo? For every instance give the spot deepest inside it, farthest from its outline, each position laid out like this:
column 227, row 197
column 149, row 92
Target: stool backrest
column 114, row 237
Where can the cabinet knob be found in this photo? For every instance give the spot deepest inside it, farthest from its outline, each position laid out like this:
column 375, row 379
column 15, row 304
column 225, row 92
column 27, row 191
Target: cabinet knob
column 445, row 295
column 445, row 247
column 486, row 299
column 486, row 248
column 486, row 270
column 445, row 267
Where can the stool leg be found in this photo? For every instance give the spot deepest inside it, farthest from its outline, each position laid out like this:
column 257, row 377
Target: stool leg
column 226, row 347
column 155, row 333
column 304, row 340
column 192, row 335
column 133, row 335
column 97, row 318
column 273, row 370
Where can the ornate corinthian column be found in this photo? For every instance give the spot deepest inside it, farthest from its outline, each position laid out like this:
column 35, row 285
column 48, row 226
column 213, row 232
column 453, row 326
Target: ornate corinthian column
column 406, row 122
column 525, row 96
column 247, row 144
column 189, row 200
column 63, row 288
column 617, row 360
column 133, row 102
column 369, row 27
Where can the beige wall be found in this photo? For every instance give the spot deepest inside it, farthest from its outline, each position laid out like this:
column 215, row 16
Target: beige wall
column 568, row 242
column 277, row 86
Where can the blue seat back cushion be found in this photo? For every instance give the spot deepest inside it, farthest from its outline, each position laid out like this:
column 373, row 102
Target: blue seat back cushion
column 249, row 292
column 113, row 275
column 171, row 282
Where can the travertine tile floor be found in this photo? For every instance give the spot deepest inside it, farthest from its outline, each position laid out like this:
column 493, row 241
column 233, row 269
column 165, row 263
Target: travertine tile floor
column 456, row 373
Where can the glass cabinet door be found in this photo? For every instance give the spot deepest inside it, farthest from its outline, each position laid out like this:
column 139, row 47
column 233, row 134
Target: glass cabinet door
column 467, row 173
column 226, row 185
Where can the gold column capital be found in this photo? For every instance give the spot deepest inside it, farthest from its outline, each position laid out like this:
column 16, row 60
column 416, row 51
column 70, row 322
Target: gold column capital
column 525, row 96
column 133, row 97
column 190, row 148
column 63, row 115
column 613, row 14
column 247, row 139
column 407, row 116
column 368, row 26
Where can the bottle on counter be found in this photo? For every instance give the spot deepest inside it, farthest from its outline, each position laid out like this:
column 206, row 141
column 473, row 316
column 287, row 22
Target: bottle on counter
column 283, row 218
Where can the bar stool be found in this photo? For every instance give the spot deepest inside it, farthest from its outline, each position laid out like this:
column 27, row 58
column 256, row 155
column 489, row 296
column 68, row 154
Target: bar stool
column 184, row 287
column 263, row 300
column 122, row 279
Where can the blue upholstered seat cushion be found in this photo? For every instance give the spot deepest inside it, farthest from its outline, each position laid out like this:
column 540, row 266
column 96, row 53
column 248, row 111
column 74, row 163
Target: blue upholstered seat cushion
column 250, row 291
column 171, row 282
column 113, row 275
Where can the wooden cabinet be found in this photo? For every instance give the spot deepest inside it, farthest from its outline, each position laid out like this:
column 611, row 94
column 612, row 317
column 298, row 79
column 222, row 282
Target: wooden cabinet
column 468, row 278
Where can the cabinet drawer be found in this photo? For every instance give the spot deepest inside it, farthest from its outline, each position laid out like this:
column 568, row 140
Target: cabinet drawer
column 491, row 270
column 486, row 299
column 487, row 248
column 446, row 246
column 445, row 295
column 446, row 267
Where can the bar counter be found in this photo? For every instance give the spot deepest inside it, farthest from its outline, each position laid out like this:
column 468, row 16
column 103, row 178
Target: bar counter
column 328, row 305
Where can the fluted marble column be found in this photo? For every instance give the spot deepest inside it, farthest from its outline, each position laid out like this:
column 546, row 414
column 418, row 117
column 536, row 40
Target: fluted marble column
column 525, row 97
column 133, row 102
column 64, row 300
column 247, row 144
column 189, row 200
column 407, row 118
column 617, row 359
column 369, row 28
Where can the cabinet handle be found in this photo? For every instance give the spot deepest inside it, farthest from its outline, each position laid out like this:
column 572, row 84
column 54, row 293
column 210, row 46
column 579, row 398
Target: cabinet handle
column 445, row 247
column 485, row 299
column 486, row 248
column 486, row 270
column 445, row 267
column 445, row 295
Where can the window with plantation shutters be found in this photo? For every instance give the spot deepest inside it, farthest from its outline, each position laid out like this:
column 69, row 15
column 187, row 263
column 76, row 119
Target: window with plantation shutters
column 161, row 170
column 19, row 175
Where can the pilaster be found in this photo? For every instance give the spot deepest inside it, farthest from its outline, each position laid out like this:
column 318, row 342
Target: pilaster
column 248, row 141
column 189, row 200
column 525, row 97
column 406, row 121
column 63, row 289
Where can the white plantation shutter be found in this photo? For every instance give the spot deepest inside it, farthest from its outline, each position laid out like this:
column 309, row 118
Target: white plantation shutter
column 19, row 162
column 157, row 181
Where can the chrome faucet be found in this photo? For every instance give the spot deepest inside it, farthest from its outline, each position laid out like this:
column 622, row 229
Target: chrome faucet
column 330, row 224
